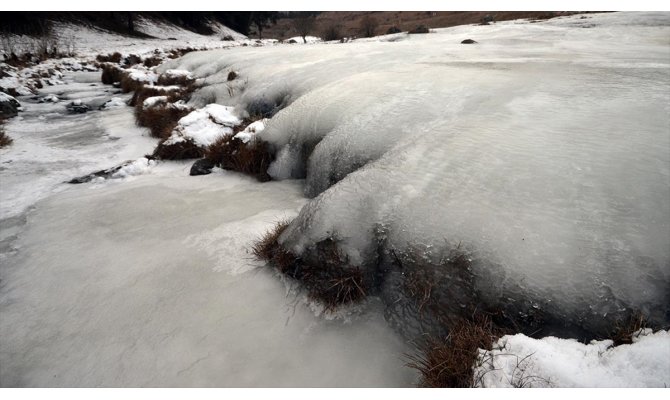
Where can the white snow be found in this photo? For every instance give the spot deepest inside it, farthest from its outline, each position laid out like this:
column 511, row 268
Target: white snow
column 532, row 149
column 153, row 101
column 205, row 125
column 251, row 130
column 298, row 39
column 178, row 73
column 138, row 167
column 141, row 75
column 519, row 361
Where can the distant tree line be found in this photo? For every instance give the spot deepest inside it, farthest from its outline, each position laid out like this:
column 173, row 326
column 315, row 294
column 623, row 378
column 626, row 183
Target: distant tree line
column 33, row 22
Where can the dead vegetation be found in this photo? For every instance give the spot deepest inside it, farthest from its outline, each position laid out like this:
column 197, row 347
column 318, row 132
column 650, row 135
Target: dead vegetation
column 113, row 57
column 251, row 158
column 4, row 139
column 328, row 279
column 111, row 74
column 179, row 80
column 161, row 119
column 179, row 150
column 624, row 332
column 448, row 362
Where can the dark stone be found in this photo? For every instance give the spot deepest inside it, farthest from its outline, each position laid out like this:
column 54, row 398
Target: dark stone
column 202, row 167
column 232, row 75
column 9, row 107
column 468, row 41
column 77, row 108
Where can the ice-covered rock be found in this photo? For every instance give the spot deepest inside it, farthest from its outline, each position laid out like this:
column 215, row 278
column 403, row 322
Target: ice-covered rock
column 205, row 125
column 9, row 106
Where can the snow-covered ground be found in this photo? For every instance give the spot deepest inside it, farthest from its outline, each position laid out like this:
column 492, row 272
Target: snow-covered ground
column 542, row 149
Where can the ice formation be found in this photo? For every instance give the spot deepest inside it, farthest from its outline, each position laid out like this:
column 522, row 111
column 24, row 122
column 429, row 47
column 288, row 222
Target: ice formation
column 541, row 153
column 205, row 125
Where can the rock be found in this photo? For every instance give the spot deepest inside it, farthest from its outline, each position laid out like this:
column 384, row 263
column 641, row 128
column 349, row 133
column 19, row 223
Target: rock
column 468, row 41
column 77, row 107
column 232, row 75
column 9, row 106
column 202, row 167
column 292, row 41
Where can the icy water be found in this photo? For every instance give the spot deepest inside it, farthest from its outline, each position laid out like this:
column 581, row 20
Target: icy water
column 147, row 280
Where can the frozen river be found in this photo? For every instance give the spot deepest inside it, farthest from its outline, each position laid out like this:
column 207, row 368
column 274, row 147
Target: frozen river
column 147, row 280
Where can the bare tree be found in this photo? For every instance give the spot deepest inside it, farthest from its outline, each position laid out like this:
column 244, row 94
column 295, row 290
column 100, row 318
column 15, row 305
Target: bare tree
column 368, row 26
column 303, row 25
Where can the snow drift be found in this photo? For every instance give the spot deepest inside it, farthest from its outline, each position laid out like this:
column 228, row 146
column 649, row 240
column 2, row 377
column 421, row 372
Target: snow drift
column 541, row 153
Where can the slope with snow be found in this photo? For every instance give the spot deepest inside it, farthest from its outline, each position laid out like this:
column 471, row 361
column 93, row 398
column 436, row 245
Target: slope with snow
column 541, row 151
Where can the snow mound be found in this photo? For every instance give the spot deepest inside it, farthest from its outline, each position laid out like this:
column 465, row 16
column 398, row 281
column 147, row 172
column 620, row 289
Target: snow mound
column 251, row 130
column 519, row 361
column 205, row 125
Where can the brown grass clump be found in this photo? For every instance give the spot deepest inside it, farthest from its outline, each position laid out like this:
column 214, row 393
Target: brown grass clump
column 329, row 279
column 251, row 158
column 183, row 150
column 448, row 362
column 161, row 119
column 146, row 91
column 625, row 332
column 111, row 74
column 128, row 84
column 113, row 58
column 152, row 61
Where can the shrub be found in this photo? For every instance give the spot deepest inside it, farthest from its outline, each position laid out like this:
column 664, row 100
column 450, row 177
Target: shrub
column 251, row 158
column 228, row 38
column 182, row 150
column 449, row 362
column 420, row 29
column 368, row 26
column 146, row 91
column 624, row 331
column 392, row 30
column 332, row 31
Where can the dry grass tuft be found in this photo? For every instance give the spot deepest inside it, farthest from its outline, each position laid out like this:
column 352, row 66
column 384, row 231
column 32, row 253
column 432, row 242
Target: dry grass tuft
column 152, row 61
column 625, row 332
column 111, row 74
column 128, row 84
column 251, row 158
column 4, row 139
column 161, row 120
column 329, row 280
column 448, row 362
column 113, row 58
column 183, row 150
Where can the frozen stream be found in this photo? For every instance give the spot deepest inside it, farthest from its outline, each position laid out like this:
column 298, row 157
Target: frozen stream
column 147, row 280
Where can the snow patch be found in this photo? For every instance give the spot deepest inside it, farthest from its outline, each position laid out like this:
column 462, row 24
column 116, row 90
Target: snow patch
column 517, row 360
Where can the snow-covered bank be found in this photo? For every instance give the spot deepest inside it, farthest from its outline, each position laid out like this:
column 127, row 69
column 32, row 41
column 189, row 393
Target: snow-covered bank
column 519, row 361
column 529, row 151
column 149, row 283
